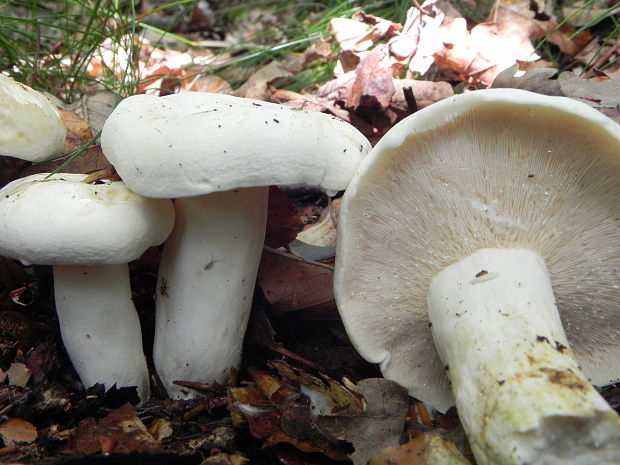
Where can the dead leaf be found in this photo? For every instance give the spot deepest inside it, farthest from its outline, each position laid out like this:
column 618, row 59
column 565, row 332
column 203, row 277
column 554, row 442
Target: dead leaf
column 208, row 83
column 16, row 431
column 161, row 429
column 600, row 94
column 323, row 232
column 18, row 374
column 373, row 85
column 492, row 46
column 257, row 85
column 460, row 55
column 283, row 220
column 91, row 160
column 222, row 458
column 380, row 425
column 565, row 37
column 99, row 106
column 380, row 28
column 428, row 448
column 292, row 284
column 425, row 93
column 320, row 49
column 350, row 34
column 17, row 329
column 420, row 38
column 78, row 131
column 289, row 422
column 120, row 430
column 327, row 396
column 583, row 12
column 537, row 80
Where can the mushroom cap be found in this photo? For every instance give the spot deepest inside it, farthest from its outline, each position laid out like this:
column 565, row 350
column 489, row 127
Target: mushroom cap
column 499, row 168
column 196, row 143
column 62, row 221
column 31, row 127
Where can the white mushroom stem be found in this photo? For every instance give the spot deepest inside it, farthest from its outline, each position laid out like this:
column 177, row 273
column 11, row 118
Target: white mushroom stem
column 520, row 393
column 100, row 327
column 205, row 286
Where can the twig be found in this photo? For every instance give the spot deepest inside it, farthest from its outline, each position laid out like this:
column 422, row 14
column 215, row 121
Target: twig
column 412, row 105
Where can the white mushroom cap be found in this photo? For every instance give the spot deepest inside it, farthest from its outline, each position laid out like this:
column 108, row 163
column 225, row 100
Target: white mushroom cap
column 62, row 221
column 498, row 168
column 31, row 127
column 206, row 142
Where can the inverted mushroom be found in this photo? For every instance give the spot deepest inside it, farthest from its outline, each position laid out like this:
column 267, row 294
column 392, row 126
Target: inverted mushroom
column 88, row 232
column 489, row 223
column 31, row 127
column 216, row 154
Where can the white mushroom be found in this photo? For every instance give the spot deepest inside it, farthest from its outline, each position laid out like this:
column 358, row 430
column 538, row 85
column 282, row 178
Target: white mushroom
column 489, row 224
column 188, row 145
column 88, row 232
column 31, row 127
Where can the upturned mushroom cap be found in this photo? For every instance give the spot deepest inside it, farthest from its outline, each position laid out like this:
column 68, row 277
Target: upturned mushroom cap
column 31, row 127
column 496, row 168
column 62, row 221
column 208, row 142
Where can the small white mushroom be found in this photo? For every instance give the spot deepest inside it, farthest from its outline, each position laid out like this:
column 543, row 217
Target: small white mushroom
column 88, row 232
column 31, row 127
column 488, row 224
column 202, row 149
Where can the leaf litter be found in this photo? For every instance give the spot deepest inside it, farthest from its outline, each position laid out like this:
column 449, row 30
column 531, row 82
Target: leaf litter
column 303, row 394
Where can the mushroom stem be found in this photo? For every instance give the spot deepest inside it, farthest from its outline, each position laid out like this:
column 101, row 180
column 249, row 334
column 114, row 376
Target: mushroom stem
column 100, row 327
column 205, row 286
column 520, row 393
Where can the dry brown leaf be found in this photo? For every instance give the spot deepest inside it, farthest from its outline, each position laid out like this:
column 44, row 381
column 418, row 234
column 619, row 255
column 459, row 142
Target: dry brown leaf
column 267, row 383
column 222, row 458
column 425, row 93
column 320, row 49
column 480, row 54
column 208, row 83
column 92, row 160
column 500, row 42
column 373, row 86
column 289, row 421
column 120, row 431
column 594, row 92
column 380, row 27
column 323, row 233
column 349, row 34
column 16, row 431
column 380, row 425
column 292, row 284
column 565, row 38
column 537, row 80
column 18, row 374
column 98, row 107
column 257, row 85
column 426, row 449
column 283, row 220
column 420, row 38
column 78, row 130
column 161, row 429
column 327, row 396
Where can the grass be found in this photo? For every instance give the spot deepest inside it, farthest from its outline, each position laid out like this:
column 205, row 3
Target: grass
column 51, row 47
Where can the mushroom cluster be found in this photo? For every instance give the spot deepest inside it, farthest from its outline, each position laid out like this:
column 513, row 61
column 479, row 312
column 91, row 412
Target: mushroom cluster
column 215, row 155
column 478, row 262
column 88, row 233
